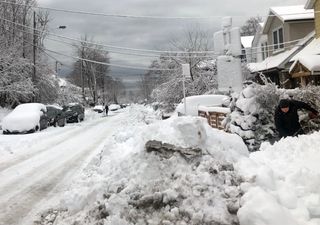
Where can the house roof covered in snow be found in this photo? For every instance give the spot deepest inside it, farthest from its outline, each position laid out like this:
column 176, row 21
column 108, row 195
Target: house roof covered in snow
column 246, row 41
column 279, row 60
column 272, row 62
column 311, row 62
column 288, row 13
column 310, row 4
column 313, row 48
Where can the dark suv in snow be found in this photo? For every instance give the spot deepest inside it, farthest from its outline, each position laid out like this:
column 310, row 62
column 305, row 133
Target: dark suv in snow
column 56, row 115
column 74, row 112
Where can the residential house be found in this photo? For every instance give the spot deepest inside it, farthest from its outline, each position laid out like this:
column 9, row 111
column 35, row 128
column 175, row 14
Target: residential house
column 306, row 64
column 287, row 29
column 260, row 45
column 246, row 44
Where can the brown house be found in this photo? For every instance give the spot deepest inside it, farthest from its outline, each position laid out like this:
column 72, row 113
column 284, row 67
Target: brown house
column 315, row 4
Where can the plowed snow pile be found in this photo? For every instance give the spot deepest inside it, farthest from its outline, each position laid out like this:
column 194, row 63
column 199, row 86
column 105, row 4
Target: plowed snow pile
column 125, row 184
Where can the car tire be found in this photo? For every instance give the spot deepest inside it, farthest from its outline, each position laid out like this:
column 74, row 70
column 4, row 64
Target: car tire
column 61, row 122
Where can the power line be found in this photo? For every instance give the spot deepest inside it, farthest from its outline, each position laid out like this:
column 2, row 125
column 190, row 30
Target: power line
column 122, row 53
column 141, row 16
column 107, row 64
column 109, row 46
column 256, row 52
column 141, row 50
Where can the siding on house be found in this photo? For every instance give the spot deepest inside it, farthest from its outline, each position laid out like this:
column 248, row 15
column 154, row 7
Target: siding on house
column 299, row 30
column 276, row 24
column 317, row 17
column 291, row 31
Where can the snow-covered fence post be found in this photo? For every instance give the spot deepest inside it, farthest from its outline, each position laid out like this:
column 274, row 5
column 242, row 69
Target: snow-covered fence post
column 185, row 74
column 227, row 44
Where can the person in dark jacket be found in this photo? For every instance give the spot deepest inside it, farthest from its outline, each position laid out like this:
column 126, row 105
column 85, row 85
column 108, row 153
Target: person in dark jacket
column 106, row 107
column 286, row 117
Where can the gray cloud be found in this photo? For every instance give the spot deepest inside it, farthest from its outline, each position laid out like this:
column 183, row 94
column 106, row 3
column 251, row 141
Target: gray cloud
column 147, row 33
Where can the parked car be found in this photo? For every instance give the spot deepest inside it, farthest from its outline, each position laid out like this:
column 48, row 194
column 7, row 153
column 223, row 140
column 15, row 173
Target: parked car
column 98, row 108
column 74, row 112
column 56, row 115
column 26, row 118
column 114, row 107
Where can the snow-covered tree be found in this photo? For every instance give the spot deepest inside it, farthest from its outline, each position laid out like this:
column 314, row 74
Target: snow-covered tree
column 251, row 26
column 252, row 115
column 20, row 79
column 167, row 83
column 91, row 75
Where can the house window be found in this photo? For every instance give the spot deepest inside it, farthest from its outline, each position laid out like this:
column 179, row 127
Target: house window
column 278, row 39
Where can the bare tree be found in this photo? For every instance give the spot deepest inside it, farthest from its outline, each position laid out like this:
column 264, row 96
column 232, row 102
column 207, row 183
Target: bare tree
column 251, row 26
column 91, row 69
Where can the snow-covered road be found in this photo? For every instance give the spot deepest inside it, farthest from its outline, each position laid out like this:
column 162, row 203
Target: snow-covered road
column 45, row 161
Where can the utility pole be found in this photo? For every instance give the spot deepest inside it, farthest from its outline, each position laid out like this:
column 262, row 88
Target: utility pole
column 82, row 76
column 34, row 47
column 186, row 74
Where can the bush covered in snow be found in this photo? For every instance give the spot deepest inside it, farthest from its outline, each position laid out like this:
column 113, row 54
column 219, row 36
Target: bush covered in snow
column 253, row 109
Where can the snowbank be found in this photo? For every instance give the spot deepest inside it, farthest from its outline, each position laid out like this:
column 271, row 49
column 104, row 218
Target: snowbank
column 136, row 187
column 282, row 183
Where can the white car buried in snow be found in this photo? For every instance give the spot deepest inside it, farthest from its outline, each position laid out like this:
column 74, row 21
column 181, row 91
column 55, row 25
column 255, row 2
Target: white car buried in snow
column 114, row 107
column 25, row 118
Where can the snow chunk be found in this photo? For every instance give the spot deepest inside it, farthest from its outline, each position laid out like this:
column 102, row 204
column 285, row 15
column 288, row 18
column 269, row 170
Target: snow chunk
column 285, row 177
column 260, row 207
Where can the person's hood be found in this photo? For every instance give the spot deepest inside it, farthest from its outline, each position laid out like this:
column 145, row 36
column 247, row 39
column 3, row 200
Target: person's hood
column 284, row 103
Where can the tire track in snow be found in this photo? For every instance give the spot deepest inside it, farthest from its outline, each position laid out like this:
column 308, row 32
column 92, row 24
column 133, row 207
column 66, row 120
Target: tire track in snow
column 60, row 138
column 21, row 192
column 17, row 207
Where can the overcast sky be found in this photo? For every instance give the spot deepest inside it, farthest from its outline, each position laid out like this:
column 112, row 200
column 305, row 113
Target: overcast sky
column 147, row 33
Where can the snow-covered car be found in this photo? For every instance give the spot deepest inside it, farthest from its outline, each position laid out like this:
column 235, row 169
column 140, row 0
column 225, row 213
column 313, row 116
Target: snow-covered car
column 56, row 116
column 98, row 108
column 74, row 112
column 114, row 107
column 193, row 103
column 26, row 118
